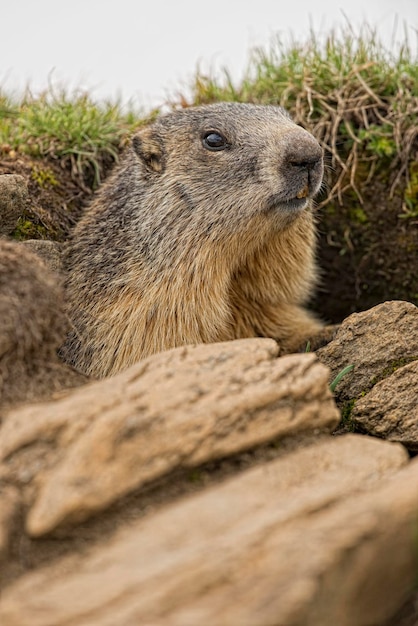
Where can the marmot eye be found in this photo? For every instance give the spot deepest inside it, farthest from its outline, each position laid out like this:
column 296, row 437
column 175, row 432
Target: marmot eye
column 212, row 140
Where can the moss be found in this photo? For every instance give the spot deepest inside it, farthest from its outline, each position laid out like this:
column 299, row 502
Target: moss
column 346, row 411
column 357, row 215
column 25, row 229
column 411, row 192
column 44, row 177
column 378, row 139
column 391, row 368
column 195, row 476
column 331, row 209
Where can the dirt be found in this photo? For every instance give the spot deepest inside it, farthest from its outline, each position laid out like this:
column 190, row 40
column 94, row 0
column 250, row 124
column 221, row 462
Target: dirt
column 57, row 198
column 368, row 253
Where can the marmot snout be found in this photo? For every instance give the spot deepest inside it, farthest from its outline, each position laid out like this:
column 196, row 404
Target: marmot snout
column 203, row 233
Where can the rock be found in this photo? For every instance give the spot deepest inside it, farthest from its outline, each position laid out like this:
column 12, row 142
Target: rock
column 325, row 535
column 9, row 507
column 390, row 409
column 33, row 326
column 375, row 342
column 49, row 251
column 13, row 201
column 174, row 410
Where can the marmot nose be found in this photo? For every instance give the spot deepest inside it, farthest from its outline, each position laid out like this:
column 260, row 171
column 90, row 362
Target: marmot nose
column 305, row 163
column 304, row 155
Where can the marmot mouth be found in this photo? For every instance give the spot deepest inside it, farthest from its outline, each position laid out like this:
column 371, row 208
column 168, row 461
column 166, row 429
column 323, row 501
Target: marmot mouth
column 291, row 204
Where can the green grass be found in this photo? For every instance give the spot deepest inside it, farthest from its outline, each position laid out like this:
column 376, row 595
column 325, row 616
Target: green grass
column 340, row 376
column 69, row 127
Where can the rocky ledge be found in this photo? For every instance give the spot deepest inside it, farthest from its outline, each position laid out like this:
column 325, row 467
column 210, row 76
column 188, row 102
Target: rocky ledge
column 212, row 484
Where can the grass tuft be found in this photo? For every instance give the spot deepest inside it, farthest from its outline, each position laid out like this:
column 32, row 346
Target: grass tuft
column 72, row 128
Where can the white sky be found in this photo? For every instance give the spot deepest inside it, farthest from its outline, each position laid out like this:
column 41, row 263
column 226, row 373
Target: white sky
column 144, row 50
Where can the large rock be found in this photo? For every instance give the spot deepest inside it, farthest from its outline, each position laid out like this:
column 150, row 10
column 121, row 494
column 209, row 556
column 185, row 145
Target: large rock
column 390, row 409
column 376, row 342
column 173, row 410
column 9, row 507
column 324, row 535
column 49, row 251
column 33, row 326
column 13, row 201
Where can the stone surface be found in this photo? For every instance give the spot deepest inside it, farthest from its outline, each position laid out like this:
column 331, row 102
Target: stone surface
column 375, row 342
column 390, row 409
column 9, row 507
column 312, row 538
column 33, row 325
column 173, row 410
column 48, row 251
column 13, row 201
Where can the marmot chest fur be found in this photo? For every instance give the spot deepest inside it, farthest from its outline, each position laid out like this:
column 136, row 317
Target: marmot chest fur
column 203, row 233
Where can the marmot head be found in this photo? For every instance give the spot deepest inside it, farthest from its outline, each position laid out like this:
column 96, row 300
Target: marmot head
column 226, row 163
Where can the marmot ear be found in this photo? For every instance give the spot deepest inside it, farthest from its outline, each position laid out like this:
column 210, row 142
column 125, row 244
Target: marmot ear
column 149, row 148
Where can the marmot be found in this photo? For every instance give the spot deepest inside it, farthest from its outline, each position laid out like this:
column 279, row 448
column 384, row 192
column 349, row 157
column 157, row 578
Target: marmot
column 203, row 233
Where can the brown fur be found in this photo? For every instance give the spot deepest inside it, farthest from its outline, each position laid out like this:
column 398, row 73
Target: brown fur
column 188, row 245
